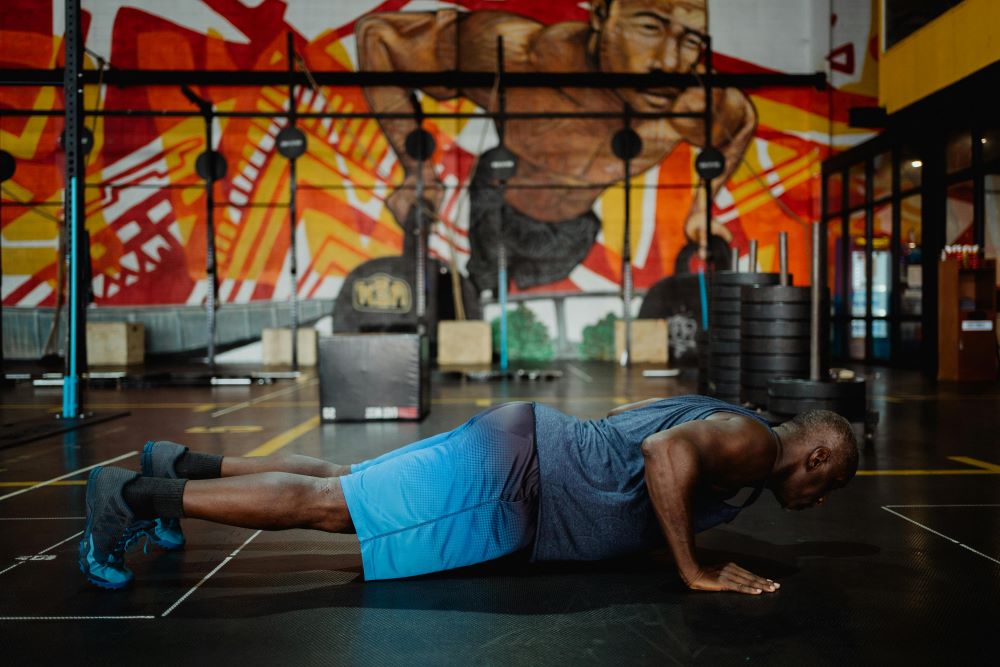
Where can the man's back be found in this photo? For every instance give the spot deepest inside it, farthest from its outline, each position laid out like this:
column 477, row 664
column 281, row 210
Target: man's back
column 594, row 503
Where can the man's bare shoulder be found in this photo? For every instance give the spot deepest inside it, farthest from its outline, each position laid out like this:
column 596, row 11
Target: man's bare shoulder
column 738, row 444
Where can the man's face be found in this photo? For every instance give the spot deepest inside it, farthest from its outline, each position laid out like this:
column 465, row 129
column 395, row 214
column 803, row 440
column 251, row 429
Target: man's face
column 810, row 484
column 639, row 36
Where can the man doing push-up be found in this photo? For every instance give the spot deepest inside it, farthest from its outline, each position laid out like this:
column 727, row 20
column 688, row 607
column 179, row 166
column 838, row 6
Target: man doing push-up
column 518, row 476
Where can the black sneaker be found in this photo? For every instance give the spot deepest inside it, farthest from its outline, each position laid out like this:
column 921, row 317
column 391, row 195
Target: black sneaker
column 111, row 528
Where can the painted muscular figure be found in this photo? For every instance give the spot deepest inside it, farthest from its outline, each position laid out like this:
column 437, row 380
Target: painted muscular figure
column 550, row 229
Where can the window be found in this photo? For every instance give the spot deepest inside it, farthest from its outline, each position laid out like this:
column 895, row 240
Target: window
column 958, row 152
column 911, row 169
column 882, row 182
column 959, row 213
column 834, row 192
column 856, row 185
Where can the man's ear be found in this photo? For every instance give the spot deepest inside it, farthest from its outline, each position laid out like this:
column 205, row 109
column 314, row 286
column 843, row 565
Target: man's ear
column 817, row 457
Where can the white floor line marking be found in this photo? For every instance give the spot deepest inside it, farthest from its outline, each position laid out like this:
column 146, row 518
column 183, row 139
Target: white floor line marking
column 74, row 618
column 950, row 539
column 261, row 399
column 210, row 574
column 942, row 505
column 41, row 518
column 579, row 373
column 71, row 537
column 45, row 550
column 8, row 569
column 67, row 475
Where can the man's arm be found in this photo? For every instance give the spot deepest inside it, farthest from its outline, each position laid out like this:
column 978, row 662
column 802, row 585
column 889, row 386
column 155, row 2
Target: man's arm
column 677, row 461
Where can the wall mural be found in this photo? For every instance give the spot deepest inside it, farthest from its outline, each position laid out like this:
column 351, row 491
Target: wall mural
column 145, row 202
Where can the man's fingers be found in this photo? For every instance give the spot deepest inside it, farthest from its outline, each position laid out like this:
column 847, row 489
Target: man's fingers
column 746, row 577
column 744, row 588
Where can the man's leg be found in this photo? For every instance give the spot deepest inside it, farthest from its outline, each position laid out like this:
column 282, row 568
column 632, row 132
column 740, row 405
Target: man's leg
column 234, row 466
column 122, row 506
column 169, row 459
column 270, row 501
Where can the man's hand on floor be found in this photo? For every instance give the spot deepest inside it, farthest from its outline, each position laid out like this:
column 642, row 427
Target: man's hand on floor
column 731, row 577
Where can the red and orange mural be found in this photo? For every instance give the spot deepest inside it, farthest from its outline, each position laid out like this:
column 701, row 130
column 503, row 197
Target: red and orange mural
column 145, row 204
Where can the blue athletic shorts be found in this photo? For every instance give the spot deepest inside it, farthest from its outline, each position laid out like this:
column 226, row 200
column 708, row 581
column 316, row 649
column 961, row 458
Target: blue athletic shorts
column 458, row 498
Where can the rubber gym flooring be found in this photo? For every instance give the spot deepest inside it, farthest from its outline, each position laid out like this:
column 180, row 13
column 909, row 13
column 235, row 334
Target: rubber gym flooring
column 901, row 567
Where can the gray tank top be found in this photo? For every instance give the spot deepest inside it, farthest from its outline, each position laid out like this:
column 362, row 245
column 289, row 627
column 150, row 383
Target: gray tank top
column 593, row 498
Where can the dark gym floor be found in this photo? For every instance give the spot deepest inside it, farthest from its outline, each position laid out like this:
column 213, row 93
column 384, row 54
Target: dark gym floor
column 902, row 566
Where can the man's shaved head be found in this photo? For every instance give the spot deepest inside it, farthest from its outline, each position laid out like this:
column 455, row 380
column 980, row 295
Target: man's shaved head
column 820, row 455
column 835, row 432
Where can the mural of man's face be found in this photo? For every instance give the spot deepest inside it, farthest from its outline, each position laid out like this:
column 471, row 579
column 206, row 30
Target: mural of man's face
column 639, row 36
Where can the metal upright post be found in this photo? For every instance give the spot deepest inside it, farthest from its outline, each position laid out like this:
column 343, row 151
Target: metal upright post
column 707, row 87
column 420, row 256
column 210, row 266
column 783, row 256
column 816, row 368
column 74, row 216
column 293, row 213
column 626, row 359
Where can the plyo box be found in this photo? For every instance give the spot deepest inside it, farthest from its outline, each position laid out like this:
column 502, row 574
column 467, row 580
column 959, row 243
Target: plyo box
column 277, row 346
column 115, row 343
column 464, row 343
column 649, row 341
column 373, row 377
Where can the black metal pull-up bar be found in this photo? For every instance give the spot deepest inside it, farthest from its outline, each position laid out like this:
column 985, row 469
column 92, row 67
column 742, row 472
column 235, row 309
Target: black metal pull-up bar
column 448, row 78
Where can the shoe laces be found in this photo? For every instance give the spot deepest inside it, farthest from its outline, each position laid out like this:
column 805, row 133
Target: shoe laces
column 132, row 535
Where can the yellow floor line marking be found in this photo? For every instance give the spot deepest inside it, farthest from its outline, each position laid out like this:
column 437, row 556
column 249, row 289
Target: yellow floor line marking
column 205, row 407
column 282, row 439
column 992, row 467
column 483, row 402
column 980, row 468
column 74, row 482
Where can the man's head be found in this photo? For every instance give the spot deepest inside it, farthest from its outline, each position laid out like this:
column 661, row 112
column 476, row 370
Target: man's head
column 820, row 454
column 639, row 36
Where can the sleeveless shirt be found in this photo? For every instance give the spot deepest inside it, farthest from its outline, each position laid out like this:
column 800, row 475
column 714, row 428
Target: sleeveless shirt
column 593, row 499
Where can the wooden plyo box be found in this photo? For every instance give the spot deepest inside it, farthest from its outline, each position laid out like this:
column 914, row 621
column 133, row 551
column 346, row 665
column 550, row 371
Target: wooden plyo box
column 277, row 346
column 649, row 341
column 464, row 343
column 116, row 343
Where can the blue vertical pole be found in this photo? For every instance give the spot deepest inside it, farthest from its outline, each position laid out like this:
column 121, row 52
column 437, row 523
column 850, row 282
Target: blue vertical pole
column 71, row 403
column 73, row 211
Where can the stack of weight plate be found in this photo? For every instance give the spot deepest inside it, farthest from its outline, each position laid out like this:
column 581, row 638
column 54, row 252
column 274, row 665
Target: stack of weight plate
column 788, row 397
column 775, row 338
column 724, row 330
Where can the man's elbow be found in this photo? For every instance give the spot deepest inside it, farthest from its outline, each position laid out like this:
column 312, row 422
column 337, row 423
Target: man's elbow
column 651, row 448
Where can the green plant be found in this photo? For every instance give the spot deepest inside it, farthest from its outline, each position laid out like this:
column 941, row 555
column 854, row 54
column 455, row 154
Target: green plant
column 527, row 338
column 599, row 340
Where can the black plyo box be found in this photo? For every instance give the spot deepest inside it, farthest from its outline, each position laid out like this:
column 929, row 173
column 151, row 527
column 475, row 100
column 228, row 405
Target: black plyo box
column 373, row 377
